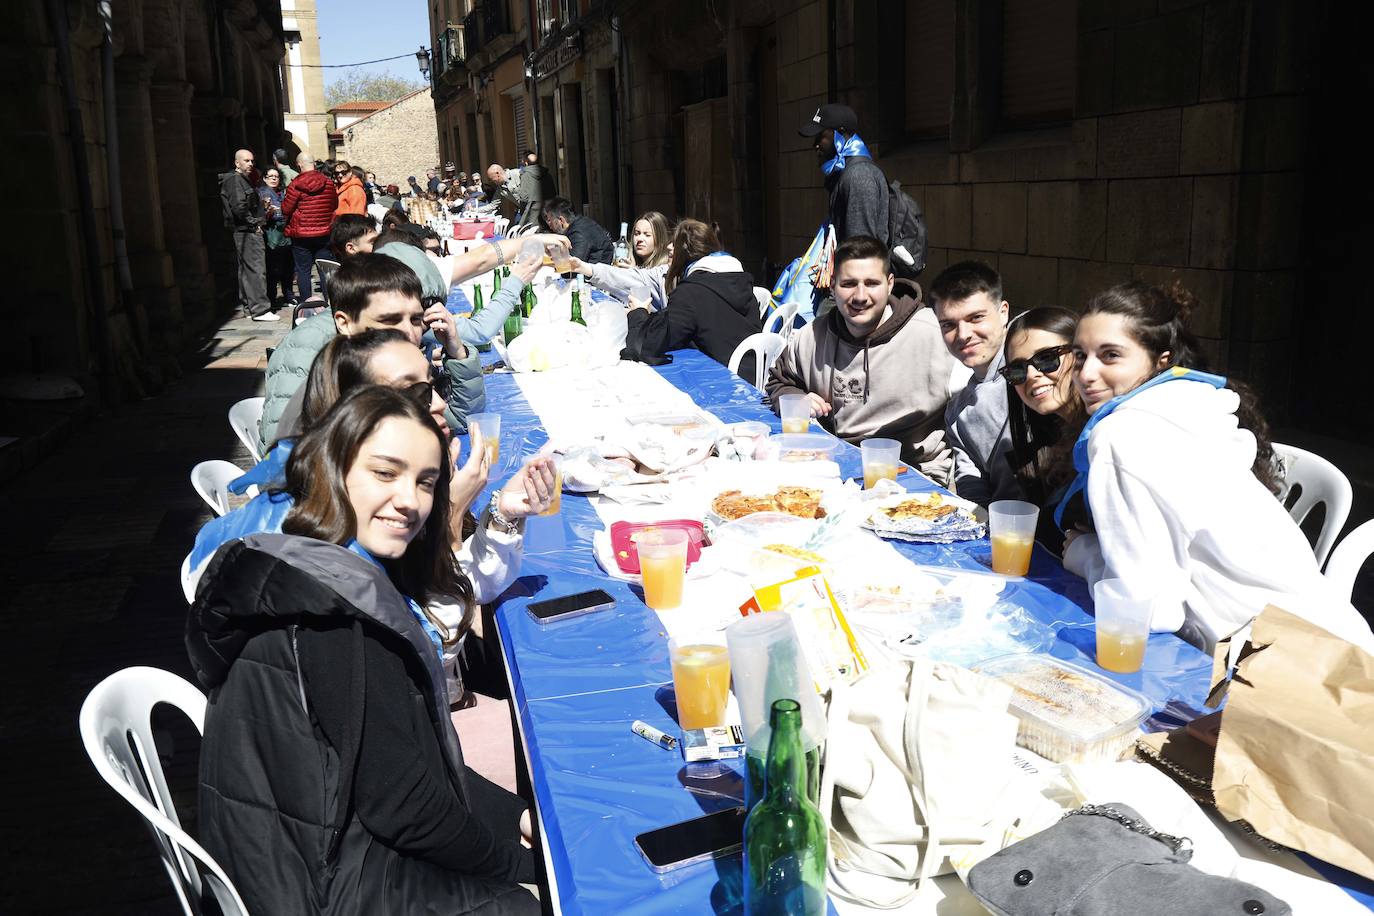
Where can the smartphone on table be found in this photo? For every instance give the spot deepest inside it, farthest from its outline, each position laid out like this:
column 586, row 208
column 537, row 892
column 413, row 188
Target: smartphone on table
column 701, row 839
column 567, row 607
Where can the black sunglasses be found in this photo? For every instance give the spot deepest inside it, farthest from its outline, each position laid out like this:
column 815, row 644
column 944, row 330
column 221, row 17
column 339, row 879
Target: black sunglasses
column 421, row 393
column 1045, row 361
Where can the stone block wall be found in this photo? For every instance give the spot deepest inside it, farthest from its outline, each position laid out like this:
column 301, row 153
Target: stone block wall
column 397, row 141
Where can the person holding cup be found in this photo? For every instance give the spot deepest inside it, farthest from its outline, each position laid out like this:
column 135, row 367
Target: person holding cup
column 1179, row 476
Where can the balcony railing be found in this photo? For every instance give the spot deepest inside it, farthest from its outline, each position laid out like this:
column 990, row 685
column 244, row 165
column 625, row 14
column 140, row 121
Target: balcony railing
column 485, row 24
column 450, row 52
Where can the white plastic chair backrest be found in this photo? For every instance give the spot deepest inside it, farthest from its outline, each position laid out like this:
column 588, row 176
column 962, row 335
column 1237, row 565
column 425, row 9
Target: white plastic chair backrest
column 500, row 225
column 763, row 297
column 244, row 418
column 1318, row 481
column 188, row 584
column 782, row 320
column 211, row 480
column 116, row 729
column 326, row 267
column 765, row 347
column 1349, row 557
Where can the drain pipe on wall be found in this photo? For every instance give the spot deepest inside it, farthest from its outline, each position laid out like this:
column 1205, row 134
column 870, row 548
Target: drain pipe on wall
column 57, row 21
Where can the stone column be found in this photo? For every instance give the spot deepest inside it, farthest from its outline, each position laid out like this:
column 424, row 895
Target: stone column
column 154, row 280
column 215, row 120
column 177, row 198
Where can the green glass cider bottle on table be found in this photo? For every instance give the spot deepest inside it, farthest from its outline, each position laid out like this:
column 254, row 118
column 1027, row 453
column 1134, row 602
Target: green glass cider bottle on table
column 477, row 306
column 577, row 308
column 784, row 836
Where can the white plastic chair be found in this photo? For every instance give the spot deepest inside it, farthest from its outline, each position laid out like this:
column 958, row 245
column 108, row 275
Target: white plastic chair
column 764, row 297
column 782, row 320
column 244, row 418
column 116, row 728
column 765, row 347
column 326, row 267
column 1350, row 556
column 501, row 225
column 1318, row 481
column 211, row 480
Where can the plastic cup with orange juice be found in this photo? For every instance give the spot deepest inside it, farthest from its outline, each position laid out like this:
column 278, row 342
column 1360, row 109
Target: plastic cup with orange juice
column 1011, row 525
column 1123, row 625
column 556, row 503
column 882, row 460
column 701, row 682
column 490, row 426
column 795, row 411
column 662, row 566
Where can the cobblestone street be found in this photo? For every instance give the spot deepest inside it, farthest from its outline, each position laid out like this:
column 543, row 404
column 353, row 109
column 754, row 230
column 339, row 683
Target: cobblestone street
column 92, row 543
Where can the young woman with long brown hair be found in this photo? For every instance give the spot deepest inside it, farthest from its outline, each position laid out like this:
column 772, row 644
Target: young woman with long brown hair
column 331, row 779
column 1180, row 479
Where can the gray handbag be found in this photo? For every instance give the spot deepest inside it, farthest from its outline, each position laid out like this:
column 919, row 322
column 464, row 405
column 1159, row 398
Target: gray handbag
column 1104, row 860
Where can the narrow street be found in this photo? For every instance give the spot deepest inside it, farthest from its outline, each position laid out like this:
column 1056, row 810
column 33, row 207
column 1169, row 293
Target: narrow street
column 89, row 584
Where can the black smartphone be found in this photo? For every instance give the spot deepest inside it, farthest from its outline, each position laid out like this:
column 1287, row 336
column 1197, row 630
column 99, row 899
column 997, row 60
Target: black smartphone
column 698, row 840
column 569, row 606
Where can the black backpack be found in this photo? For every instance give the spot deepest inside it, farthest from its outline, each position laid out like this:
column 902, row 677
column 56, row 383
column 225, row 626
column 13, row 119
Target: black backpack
column 906, row 228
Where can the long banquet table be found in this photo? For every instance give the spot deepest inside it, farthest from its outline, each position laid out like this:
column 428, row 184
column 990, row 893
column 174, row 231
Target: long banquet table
column 577, row 685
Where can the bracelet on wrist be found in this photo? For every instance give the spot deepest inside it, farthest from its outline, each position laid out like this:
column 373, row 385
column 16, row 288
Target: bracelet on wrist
column 500, row 252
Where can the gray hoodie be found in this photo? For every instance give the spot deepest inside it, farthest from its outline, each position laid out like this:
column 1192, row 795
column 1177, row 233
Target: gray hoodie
column 894, row 383
column 976, row 428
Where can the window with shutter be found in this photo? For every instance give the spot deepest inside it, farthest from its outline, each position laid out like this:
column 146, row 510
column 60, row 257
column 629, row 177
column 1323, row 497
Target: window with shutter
column 1039, row 48
column 521, row 120
column 929, row 51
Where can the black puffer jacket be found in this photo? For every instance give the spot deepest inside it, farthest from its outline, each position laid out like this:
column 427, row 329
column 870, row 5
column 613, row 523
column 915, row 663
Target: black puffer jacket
column 710, row 309
column 331, row 780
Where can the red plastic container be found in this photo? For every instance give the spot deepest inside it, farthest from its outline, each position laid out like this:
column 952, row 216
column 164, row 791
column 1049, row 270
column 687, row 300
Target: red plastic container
column 626, row 554
column 468, row 229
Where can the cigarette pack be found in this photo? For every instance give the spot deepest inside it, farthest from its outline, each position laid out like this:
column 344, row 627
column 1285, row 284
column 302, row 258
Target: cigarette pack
column 719, row 742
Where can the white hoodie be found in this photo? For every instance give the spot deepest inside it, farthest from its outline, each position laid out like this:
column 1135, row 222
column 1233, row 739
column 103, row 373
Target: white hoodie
column 1177, row 512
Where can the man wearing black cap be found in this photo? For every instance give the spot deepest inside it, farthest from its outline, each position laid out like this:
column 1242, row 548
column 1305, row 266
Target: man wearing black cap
column 858, row 188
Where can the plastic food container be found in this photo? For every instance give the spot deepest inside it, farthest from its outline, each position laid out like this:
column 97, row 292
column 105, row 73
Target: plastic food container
column 627, row 554
column 803, row 446
column 1068, row 714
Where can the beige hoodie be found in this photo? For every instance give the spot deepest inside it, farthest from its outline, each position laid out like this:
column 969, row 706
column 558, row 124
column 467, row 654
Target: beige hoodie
column 895, row 383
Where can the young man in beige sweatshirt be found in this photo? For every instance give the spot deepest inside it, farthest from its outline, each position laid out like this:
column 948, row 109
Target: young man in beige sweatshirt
column 875, row 365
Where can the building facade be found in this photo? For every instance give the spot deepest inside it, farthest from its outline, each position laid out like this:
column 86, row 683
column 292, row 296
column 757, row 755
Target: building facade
column 340, row 117
column 302, row 79
column 1072, row 144
column 120, row 134
column 395, row 141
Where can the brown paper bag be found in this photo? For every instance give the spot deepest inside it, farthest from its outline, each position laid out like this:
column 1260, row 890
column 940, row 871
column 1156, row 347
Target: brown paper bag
column 1295, row 756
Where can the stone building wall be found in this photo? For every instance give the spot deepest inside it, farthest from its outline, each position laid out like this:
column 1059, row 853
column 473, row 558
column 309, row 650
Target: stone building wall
column 396, row 141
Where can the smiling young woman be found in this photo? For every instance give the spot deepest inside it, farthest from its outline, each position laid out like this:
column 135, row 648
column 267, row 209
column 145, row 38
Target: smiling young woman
column 1180, row 479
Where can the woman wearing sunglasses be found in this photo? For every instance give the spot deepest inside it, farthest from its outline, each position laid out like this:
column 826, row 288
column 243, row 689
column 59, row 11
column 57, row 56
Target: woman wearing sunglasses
column 1180, row 479
column 1044, row 412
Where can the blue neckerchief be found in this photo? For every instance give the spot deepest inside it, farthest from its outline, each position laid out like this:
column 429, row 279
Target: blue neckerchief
column 269, row 472
column 1080, row 448
column 425, row 623
column 852, row 145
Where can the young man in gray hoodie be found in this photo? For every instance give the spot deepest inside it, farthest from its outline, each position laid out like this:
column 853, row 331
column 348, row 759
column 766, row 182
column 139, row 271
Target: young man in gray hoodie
column 875, row 364
column 973, row 316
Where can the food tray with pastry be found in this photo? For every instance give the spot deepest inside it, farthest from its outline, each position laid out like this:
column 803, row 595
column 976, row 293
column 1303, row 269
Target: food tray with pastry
column 925, row 517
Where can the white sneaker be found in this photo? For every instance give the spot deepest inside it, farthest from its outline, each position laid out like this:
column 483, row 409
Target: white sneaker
column 267, row 316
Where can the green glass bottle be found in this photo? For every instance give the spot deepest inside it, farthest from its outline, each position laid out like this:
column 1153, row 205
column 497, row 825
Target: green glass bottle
column 527, row 301
column 784, row 836
column 495, row 281
column 512, row 328
column 577, row 308
column 477, row 307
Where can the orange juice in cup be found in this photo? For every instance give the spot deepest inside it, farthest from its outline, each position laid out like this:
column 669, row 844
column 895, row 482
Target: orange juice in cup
column 662, row 566
column 881, row 459
column 1011, row 554
column 795, row 412
column 489, row 425
column 556, row 504
column 701, row 681
column 1011, row 524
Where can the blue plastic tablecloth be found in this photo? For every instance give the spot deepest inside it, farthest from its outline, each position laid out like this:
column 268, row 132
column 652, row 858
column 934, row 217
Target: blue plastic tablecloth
column 579, row 684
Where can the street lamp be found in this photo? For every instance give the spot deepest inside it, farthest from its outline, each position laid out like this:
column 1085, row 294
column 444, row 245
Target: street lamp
column 422, row 58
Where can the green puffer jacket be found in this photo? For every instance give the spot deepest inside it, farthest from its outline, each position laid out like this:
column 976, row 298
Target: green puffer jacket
column 289, row 366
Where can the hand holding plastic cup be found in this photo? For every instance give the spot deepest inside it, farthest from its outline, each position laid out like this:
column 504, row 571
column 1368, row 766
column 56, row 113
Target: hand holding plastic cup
column 882, row 460
column 1011, row 525
column 490, row 426
column 795, row 411
column 1123, row 625
column 662, row 566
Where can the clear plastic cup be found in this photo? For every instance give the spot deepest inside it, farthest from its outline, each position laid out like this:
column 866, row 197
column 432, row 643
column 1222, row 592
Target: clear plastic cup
column 556, row 504
column 795, row 411
column 662, row 566
column 562, row 261
column 1011, row 526
column 490, row 426
column 882, row 460
column 1123, row 625
column 701, row 682
column 531, row 252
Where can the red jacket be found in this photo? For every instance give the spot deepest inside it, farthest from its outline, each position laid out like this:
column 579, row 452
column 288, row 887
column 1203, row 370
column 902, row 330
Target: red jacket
column 309, row 205
column 352, row 197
